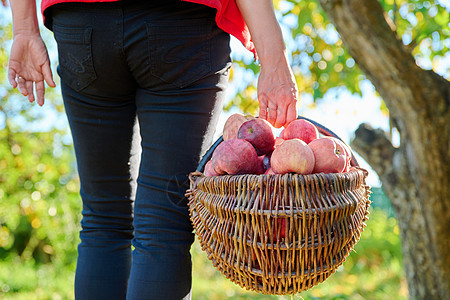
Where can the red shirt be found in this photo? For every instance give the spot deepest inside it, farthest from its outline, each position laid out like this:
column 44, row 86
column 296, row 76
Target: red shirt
column 228, row 17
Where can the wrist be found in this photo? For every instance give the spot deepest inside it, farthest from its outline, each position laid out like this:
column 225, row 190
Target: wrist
column 26, row 28
column 272, row 58
column 24, row 17
column 270, row 45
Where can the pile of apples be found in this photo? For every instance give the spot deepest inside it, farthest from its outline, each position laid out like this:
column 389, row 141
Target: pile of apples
column 250, row 147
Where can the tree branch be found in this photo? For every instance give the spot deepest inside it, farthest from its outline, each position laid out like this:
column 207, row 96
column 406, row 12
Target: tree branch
column 374, row 146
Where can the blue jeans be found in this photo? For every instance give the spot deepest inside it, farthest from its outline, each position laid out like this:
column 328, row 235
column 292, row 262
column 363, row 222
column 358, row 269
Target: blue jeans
column 166, row 66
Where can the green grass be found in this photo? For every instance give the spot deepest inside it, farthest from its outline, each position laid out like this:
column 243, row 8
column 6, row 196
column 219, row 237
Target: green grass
column 28, row 281
column 373, row 271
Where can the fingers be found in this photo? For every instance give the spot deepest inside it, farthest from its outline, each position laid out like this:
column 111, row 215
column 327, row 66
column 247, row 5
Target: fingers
column 48, row 76
column 26, row 87
column 29, row 87
column 291, row 113
column 268, row 108
column 263, row 107
column 12, row 77
column 286, row 112
column 40, row 92
column 277, row 113
column 281, row 117
column 21, row 85
column 272, row 113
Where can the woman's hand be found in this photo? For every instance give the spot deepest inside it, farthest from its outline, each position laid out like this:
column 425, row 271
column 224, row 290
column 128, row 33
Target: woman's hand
column 29, row 66
column 277, row 90
column 277, row 93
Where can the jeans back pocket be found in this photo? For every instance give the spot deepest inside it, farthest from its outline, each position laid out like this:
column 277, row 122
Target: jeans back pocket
column 76, row 67
column 179, row 53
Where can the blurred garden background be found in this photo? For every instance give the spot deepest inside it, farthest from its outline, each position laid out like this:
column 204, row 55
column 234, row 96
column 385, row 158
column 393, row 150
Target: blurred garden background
column 39, row 202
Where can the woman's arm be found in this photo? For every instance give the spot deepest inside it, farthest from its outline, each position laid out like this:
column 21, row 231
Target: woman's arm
column 29, row 64
column 277, row 89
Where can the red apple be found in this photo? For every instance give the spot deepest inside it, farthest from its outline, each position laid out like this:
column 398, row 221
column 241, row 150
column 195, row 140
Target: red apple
column 292, row 155
column 259, row 133
column 209, row 169
column 232, row 124
column 330, row 156
column 269, row 171
column 348, row 152
column 300, row 129
column 235, row 156
column 260, row 169
column 278, row 141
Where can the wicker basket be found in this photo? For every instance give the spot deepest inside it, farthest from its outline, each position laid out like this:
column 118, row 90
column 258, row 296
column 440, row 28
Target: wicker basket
column 278, row 234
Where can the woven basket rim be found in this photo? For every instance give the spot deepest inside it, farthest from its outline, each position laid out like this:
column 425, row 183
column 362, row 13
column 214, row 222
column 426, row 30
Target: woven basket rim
column 353, row 175
column 195, row 174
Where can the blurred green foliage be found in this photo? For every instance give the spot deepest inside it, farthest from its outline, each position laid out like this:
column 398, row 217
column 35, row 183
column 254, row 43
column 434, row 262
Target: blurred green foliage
column 39, row 212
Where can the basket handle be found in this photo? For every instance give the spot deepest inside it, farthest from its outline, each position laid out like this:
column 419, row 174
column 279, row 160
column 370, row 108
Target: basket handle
column 322, row 129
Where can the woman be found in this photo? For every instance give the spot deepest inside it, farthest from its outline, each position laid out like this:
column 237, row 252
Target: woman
column 165, row 65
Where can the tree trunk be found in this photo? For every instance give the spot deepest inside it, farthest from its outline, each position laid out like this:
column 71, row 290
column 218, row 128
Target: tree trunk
column 415, row 176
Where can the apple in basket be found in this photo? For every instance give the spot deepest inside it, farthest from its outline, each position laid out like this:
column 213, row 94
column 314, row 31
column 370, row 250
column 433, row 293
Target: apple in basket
column 348, row 152
column 330, row 156
column 300, row 129
column 267, row 157
column 260, row 167
column 259, row 133
column 232, row 124
column 278, row 141
column 209, row 169
column 269, row 171
column 234, row 156
column 292, row 155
